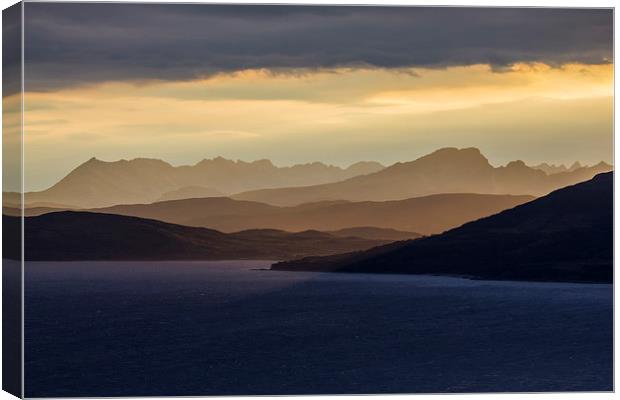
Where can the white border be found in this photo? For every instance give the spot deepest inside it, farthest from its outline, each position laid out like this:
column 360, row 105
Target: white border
column 470, row 3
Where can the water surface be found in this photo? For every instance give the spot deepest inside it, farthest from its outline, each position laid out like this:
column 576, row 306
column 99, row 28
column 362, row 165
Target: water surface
column 226, row 328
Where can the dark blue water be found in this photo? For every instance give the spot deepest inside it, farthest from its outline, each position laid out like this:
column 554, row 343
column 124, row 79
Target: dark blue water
column 222, row 328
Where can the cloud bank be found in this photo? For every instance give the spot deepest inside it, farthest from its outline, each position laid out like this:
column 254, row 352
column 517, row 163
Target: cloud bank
column 70, row 44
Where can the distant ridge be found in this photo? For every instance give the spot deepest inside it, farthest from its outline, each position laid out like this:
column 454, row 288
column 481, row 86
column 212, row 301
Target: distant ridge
column 564, row 236
column 97, row 183
column 448, row 170
column 190, row 192
column 423, row 215
column 370, row 232
column 551, row 169
column 91, row 236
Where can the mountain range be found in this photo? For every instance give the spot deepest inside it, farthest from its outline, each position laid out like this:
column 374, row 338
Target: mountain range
column 97, row 183
column 564, row 236
column 73, row 235
column 448, row 170
column 551, row 169
column 422, row 215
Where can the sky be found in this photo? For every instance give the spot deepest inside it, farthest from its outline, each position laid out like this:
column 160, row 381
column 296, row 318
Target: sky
column 298, row 84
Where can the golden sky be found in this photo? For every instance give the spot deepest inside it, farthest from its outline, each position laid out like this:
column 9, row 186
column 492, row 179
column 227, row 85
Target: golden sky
column 338, row 84
column 529, row 111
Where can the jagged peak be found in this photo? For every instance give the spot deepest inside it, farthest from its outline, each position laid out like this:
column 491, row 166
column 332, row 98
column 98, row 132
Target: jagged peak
column 263, row 162
column 516, row 164
column 466, row 151
column 575, row 165
column 93, row 161
column 124, row 160
column 312, row 164
column 449, row 156
column 549, row 165
column 452, row 153
column 216, row 160
column 146, row 159
column 222, row 160
column 365, row 164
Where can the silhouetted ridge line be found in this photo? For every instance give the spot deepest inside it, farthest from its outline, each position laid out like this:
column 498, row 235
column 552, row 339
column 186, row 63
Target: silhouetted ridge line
column 97, row 183
column 448, row 170
column 564, row 236
column 70, row 235
column 424, row 215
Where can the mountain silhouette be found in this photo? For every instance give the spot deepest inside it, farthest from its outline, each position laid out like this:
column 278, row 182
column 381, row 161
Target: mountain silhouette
column 98, row 183
column 576, row 165
column 447, row 170
column 550, row 169
column 72, row 235
column 190, row 192
column 564, row 236
column 423, row 215
column 371, row 232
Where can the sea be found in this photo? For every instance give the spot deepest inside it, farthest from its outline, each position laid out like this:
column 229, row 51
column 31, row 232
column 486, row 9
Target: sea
column 236, row 328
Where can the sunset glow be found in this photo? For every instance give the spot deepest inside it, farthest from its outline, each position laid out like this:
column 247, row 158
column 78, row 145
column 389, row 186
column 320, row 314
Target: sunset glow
column 298, row 115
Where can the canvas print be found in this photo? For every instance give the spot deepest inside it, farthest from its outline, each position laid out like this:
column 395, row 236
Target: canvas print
column 210, row 200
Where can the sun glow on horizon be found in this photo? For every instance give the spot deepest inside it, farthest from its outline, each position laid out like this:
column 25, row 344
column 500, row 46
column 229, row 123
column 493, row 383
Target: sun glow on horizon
column 337, row 116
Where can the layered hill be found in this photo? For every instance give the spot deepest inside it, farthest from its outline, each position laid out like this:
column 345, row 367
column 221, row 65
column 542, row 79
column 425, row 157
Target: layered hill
column 371, row 232
column 423, row 215
column 97, row 183
column 564, row 236
column 92, row 236
column 447, row 170
column 190, row 192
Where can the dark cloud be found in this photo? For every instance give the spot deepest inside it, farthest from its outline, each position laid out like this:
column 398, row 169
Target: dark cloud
column 72, row 43
column 11, row 49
